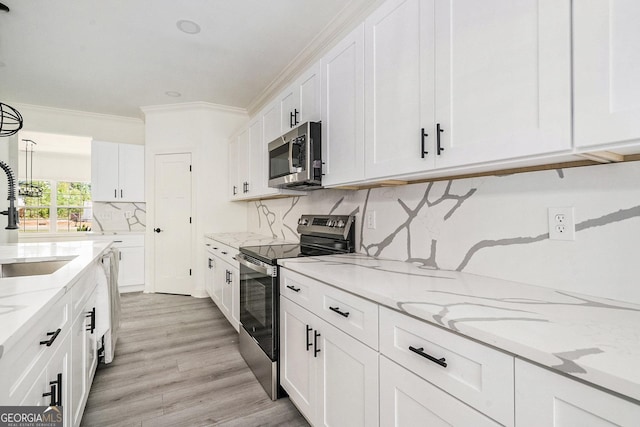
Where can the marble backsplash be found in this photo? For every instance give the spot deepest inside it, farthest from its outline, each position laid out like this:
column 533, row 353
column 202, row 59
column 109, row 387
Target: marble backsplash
column 494, row 226
column 119, row 216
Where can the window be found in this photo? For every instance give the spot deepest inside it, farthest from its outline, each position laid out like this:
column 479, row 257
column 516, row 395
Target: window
column 62, row 207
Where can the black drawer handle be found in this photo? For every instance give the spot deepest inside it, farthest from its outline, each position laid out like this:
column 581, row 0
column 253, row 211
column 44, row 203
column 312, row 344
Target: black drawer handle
column 53, row 336
column 316, row 350
column 92, row 316
column 293, row 288
column 309, row 329
column 223, row 252
column 52, row 394
column 421, row 352
column 337, row 310
column 424, row 135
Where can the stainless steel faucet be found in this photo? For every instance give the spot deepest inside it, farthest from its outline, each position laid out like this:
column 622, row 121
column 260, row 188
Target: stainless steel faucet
column 12, row 212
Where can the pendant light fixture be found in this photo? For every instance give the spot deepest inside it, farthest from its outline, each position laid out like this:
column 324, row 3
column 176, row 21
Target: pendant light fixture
column 10, row 120
column 27, row 188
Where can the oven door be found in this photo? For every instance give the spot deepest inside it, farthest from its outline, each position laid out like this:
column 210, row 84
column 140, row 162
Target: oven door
column 258, row 303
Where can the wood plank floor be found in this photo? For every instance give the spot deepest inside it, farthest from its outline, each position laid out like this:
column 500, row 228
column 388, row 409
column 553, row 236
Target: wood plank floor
column 177, row 364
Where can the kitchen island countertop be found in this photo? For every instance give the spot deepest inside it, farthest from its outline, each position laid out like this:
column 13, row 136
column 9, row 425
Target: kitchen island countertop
column 24, row 299
column 591, row 338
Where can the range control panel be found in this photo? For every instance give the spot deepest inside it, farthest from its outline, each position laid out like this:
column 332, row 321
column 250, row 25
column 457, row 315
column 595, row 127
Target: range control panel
column 332, row 224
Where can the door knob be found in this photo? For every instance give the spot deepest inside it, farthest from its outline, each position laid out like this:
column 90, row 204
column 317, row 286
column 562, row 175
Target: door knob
column 157, row 230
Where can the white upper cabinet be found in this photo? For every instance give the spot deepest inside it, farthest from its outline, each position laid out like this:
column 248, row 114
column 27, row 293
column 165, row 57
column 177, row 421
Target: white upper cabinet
column 300, row 102
column 606, row 71
column 399, row 88
column 117, row 172
column 503, row 79
column 243, row 163
column 455, row 82
column 271, row 126
column 343, row 110
column 233, row 185
column 257, row 155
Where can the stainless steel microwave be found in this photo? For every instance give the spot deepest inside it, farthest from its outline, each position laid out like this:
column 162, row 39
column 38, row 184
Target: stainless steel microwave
column 295, row 159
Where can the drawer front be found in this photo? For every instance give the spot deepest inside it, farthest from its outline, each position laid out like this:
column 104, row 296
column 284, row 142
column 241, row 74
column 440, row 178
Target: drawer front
column 298, row 288
column 406, row 399
column 81, row 290
column 222, row 251
column 29, row 353
column 356, row 316
column 476, row 374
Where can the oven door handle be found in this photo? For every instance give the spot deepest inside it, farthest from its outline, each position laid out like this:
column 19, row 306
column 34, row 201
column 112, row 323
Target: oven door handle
column 264, row 268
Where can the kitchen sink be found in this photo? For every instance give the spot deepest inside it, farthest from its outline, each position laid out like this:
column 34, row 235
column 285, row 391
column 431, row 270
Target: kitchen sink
column 31, row 268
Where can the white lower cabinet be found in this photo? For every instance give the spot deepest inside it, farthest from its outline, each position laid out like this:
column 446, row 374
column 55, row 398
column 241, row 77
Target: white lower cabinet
column 131, row 265
column 330, row 376
column 408, row 400
column 544, row 398
column 222, row 279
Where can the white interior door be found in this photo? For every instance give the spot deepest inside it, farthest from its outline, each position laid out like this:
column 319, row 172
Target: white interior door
column 172, row 224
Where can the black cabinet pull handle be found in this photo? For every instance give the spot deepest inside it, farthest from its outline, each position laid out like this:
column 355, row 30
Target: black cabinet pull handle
column 295, row 116
column 421, row 352
column 235, row 190
column 309, row 329
column 439, row 130
column 424, row 135
column 121, row 194
column 293, row 288
column 52, row 394
column 210, row 261
column 92, row 325
column 115, row 193
column 337, row 310
column 291, row 119
column 316, row 350
column 53, row 336
column 215, row 248
column 58, row 384
column 222, row 252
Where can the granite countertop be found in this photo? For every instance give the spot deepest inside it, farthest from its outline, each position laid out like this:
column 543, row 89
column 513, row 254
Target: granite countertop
column 243, row 238
column 595, row 339
column 22, row 299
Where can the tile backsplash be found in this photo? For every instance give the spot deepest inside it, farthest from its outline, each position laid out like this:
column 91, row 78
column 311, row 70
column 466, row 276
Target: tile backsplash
column 494, row 226
column 119, row 216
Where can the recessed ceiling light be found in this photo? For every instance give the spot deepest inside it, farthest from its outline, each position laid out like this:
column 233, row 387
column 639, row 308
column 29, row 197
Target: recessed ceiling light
column 188, row 27
column 173, row 93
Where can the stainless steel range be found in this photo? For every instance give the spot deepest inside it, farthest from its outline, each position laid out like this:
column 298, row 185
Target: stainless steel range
column 260, row 294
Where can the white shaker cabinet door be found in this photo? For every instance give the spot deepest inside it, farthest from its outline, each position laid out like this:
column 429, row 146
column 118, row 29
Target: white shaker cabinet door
column 104, row 171
column 343, row 111
column 544, row 398
column 131, row 172
column 503, row 79
column 407, row 400
column 606, row 71
column 399, row 92
column 234, row 188
column 309, row 97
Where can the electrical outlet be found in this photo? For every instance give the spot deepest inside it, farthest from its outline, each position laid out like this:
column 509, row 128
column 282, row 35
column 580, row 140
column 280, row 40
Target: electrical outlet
column 562, row 224
column 371, row 220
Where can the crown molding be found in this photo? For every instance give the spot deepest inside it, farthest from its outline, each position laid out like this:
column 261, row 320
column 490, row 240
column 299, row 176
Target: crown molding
column 197, row 105
column 85, row 114
column 349, row 17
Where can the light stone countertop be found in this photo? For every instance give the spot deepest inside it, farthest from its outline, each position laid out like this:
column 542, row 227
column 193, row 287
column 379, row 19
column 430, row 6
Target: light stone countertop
column 239, row 239
column 592, row 338
column 23, row 299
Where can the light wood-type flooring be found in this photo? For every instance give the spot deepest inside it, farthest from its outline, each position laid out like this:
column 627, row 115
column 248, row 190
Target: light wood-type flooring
column 177, row 364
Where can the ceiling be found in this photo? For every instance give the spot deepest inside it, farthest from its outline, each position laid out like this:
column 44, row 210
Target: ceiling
column 114, row 56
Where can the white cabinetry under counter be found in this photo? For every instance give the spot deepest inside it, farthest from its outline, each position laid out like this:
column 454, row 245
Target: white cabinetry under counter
column 131, row 262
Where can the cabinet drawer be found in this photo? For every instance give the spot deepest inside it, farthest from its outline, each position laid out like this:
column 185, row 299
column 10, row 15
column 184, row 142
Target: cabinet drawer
column 354, row 315
column 223, row 251
column 297, row 288
column 406, row 399
column 21, row 359
column 476, row 374
column 82, row 289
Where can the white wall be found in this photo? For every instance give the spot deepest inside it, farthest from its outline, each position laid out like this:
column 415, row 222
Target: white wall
column 203, row 130
column 68, row 122
column 495, row 226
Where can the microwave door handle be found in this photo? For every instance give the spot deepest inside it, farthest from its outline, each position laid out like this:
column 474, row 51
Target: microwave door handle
column 291, row 169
